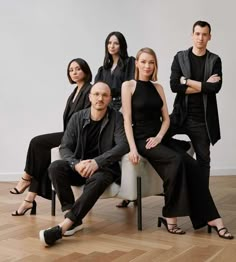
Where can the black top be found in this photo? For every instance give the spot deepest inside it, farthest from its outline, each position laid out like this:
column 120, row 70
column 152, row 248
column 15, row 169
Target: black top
column 195, row 101
column 115, row 79
column 146, row 110
column 91, row 145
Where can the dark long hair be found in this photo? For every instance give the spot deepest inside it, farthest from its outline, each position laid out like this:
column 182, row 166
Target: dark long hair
column 123, row 54
column 84, row 67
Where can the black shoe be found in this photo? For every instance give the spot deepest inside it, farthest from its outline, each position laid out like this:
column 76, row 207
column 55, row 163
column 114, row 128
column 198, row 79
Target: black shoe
column 77, row 226
column 173, row 229
column 15, row 191
column 32, row 212
column 50, row 236
column 124, row 203
column 225, row 233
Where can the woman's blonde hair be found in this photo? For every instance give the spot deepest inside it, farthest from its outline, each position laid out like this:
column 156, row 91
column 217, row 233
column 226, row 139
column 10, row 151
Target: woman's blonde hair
column 152, row 53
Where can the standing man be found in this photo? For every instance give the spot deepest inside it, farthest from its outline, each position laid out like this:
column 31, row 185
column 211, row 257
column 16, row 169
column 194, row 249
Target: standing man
column 91, row 147
column 196, row 78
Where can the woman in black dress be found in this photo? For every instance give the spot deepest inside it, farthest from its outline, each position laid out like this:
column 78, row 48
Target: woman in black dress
column 117, row 66
column 39, row 152
column 146, row 121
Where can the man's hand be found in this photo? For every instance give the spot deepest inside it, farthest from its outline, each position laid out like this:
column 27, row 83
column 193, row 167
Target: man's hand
column 86, row 168
column 214, row 78
column 80, row 167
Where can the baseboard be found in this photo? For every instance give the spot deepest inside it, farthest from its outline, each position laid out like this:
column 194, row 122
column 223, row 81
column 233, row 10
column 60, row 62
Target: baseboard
column 8, row 177
column 223, row 172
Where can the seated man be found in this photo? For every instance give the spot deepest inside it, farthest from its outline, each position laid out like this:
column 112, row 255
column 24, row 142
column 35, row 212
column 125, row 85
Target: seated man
column 91, row 147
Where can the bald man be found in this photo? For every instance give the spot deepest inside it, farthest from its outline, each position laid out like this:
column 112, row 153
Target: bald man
column 91, row 148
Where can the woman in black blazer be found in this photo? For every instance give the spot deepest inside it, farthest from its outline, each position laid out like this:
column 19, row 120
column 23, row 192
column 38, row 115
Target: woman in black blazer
column 39, row 152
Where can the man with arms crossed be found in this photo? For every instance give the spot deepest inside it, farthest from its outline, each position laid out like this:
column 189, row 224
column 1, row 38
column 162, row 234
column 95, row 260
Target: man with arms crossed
column 196, row 78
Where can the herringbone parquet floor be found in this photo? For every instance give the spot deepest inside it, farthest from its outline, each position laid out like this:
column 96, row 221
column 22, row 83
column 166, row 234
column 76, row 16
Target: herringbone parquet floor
column 110, row 233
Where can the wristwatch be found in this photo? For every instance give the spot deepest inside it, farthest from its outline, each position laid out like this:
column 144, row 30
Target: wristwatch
column 185, row 81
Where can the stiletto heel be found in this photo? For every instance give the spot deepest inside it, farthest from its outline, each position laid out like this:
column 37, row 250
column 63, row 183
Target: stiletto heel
column 32, row 212
column 15, row 191
column 225, row 235
column 174, row 228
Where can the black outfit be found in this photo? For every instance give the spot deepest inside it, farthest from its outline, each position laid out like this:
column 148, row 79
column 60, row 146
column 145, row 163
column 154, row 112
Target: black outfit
column 182, row 175
column 146, row 117
column 111, row 146
column 39, row 152
column 196, row 115
column 115, row 79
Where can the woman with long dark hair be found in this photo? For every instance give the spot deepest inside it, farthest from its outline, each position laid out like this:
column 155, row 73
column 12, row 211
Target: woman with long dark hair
column 117, row 66
column 39, row 152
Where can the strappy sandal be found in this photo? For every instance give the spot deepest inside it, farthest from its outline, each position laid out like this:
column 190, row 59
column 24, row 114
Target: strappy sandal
column 174, row 228
column 225, row 235
column 32, row 212
column 15, row 191
column 124, row 203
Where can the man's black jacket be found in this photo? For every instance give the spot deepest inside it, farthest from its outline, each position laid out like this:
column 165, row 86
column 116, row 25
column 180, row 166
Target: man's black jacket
column 112, row 142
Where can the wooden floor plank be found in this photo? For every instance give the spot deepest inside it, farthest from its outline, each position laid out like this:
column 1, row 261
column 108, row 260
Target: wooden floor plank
column 110, row 233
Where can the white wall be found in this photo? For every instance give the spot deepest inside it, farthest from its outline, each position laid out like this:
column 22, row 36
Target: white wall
column 39, row 38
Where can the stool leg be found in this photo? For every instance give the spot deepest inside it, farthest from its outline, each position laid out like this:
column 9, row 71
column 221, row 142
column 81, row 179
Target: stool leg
column 139, row 202
column 53, row 207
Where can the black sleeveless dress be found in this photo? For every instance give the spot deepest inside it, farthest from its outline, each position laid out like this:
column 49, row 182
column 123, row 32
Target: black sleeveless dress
column 185, row 194
column 146, row 110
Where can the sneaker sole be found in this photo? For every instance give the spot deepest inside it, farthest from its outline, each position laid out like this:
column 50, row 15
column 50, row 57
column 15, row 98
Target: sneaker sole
column 73, row 231
column 41, row 237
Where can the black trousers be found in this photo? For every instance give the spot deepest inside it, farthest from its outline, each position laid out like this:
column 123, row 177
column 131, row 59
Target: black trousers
column 63, row 177
column 170, row 167
column 202, row 206
column 198, row 135
column 38, row 160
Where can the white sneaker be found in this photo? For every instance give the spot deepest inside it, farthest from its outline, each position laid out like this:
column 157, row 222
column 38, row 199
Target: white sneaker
column 77, row 226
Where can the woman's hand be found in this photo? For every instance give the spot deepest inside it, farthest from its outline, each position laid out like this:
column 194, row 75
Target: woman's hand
column 134, row 157
column 153, row 141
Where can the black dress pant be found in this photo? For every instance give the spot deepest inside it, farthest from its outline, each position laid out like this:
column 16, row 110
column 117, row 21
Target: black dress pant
column 63, row 177
column 197, row 132
column 169, row 165
column 202, row 206
column 38, row 160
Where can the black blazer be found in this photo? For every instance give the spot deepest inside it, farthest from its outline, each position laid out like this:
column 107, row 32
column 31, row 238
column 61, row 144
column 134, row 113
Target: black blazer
column 81, row 102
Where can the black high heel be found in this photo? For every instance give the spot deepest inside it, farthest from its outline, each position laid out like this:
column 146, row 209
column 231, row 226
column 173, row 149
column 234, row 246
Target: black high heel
column 173, row 230
column 32, row 212
column 124, row 203
column 224, row 235
column 15, row 191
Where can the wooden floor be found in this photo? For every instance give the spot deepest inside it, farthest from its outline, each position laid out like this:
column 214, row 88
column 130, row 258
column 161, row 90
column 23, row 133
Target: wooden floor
column 110, row 233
